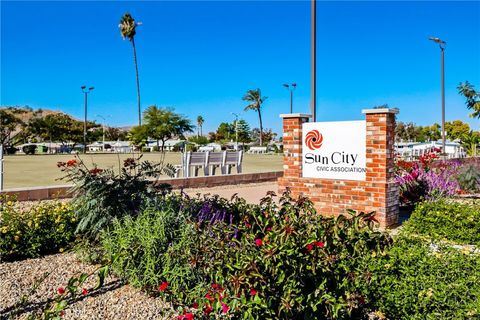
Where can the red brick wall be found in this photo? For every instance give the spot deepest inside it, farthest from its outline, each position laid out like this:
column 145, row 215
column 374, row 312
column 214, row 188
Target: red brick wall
column 377, row 193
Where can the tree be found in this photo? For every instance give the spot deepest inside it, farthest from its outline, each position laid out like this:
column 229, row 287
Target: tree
column 200, row 122
column 243, row 129
column 255, row 98
column 138, row 135
column 162, row 124
column 470, row 142
column 128, row 27
column 59, row 127
column 10, row 128
column 115, row 134
column 456, row 129
column 473, row 98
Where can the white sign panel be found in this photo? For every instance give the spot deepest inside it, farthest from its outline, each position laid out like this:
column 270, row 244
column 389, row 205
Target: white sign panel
column 334, row 150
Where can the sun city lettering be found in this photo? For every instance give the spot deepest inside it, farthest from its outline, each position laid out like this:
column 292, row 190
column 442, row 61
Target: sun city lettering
column 334, row 158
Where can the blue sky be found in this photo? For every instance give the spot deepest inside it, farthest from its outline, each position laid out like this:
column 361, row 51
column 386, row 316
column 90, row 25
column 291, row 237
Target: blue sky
column 201, row 57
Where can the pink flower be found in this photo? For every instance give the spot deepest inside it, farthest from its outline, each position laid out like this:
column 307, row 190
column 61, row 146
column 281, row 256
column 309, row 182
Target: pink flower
column 163, row 286
column 61, row 290
column 253, row 292
column 186, row 316
column 258, row 242
column 225, row 308
column 209, row 297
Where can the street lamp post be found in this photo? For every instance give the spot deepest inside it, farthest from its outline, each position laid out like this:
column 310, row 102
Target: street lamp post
column 313, row 71
column 442, row 44
column 85, row 92
column 103, row 130
column 291, row 88
column 236, row 131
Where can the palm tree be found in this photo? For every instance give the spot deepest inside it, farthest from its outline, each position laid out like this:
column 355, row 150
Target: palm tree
column 256, row 99
column 200, row 122
column 470, row 141
column 127, row 28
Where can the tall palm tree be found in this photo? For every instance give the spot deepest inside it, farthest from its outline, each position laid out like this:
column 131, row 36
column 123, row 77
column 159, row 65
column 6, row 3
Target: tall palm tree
column 200, row 122
column 255, row 98
column 127, row 28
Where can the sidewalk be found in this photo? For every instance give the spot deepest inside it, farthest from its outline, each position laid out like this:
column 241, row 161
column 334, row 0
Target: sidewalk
column 250, row 192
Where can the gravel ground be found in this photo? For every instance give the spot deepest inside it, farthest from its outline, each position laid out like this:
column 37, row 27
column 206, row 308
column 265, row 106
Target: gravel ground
column 113, row 301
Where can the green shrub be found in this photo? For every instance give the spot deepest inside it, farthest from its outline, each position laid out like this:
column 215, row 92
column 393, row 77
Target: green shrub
column 44, row 228
column 446, row 220
column 100, row 195
column 412, row 281
column 258, row 261
column 138, row 244
column 469, row 178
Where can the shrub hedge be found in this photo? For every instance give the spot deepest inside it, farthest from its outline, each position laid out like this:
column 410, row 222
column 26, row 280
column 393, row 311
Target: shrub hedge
column 446, row 220
column 44, row 228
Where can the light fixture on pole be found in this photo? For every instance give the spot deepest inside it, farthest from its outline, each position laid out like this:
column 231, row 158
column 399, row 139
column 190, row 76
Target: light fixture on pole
column 442, row 44
column 85, row 92
column 291, row 88
column 103, row 130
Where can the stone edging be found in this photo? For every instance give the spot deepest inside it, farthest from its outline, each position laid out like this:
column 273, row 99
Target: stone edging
column 61, row 192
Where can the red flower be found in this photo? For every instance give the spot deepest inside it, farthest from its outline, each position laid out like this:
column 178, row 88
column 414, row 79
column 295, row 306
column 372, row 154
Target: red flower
column 208, row 309
column 163, row 286
column 95, row 171
column 269, row 229
column 309, row 247
column 71, row 163
column 258, row 242
column 225, row 308
column 84, row 291
column 253, row 292
column 61, row 290
column 62, row 313
column 186, row 316
column 319, row 244
column 209, row 297
column 248, row 225
column 195, row 305
column 217, row 287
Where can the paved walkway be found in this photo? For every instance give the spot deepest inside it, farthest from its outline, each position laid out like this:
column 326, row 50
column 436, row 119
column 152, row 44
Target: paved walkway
column 250, row 192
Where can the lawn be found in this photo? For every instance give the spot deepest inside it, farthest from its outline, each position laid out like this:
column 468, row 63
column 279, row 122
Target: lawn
column 41, row 170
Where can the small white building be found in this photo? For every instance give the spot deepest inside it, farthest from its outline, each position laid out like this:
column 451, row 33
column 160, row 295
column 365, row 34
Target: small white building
column 413, row 150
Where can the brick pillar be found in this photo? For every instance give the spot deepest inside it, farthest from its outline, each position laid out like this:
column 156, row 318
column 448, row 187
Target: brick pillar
column 384, row 192
column 292, row 145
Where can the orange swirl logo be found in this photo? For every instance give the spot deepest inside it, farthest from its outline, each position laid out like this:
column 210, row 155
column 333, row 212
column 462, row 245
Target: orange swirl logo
column 314, row 140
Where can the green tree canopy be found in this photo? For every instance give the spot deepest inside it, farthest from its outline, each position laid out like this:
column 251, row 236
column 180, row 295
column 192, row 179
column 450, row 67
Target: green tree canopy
column 472, row 98
column 11, row 128
column 163, row 124
column 456, row 129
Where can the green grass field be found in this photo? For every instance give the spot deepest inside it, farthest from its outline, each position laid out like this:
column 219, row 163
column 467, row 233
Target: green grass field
column 41, row 170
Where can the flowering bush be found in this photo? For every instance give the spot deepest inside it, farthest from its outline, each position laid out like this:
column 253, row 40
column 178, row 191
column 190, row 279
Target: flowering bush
column 44, row 228
column 419, row 180
column 249, row 261
column 102, row 194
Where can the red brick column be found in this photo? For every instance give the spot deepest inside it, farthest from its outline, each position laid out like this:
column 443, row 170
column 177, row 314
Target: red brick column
column 377, row 193
column 292, row 144
column 384, row 191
